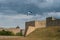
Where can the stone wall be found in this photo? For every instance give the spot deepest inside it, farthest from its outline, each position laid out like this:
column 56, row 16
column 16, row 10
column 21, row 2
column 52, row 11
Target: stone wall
column 30, row 29
column 50, row 22
column 40, row 24
column 28, row 26
column 32, row 25
column 1, row 29
column 14, row 30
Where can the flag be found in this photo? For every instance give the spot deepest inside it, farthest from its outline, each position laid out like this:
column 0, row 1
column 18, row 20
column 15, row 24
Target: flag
column 29, row 13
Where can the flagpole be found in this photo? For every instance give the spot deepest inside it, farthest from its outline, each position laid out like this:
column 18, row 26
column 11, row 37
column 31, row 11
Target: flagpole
column 28, row 13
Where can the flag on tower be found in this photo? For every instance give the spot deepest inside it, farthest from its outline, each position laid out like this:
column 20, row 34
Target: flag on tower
column 29, row 13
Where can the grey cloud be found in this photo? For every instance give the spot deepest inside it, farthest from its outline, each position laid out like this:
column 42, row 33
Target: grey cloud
column 35, row 6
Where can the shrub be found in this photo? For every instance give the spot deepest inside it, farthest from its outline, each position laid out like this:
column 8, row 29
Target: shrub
column 7, row 33
column 19, row 34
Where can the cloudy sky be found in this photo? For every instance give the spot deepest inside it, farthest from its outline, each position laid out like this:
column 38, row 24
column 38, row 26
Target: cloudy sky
column 14, row 12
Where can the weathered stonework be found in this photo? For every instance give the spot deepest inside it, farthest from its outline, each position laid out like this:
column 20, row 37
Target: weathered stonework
column 32, row 25
column 50, row 22
column 14, row 30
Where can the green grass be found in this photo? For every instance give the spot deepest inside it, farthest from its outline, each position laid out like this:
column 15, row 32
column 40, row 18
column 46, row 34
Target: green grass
column 49, row 33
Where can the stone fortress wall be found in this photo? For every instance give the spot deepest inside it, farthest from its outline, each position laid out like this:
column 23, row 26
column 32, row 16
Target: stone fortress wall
column 32, row 25
column 14, row 30
column 50, row 21
column 29, row 27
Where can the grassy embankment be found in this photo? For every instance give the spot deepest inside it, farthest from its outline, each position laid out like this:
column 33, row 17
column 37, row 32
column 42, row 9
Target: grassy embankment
column 49, row 33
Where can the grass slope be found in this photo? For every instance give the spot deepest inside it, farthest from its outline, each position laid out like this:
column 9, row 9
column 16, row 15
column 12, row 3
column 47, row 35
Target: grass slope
column 49, row 33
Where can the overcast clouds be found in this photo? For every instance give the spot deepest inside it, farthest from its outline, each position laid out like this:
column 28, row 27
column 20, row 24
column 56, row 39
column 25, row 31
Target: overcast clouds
column 14, row 12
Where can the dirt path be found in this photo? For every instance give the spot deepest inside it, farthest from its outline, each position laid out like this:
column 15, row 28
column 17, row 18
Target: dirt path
column 11, row 38
column 15, row 38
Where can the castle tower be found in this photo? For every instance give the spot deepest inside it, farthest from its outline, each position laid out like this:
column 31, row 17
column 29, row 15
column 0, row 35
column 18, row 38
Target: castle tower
column 53, row 18
column 17, row 27
column 50, row 21
column 50, row 18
